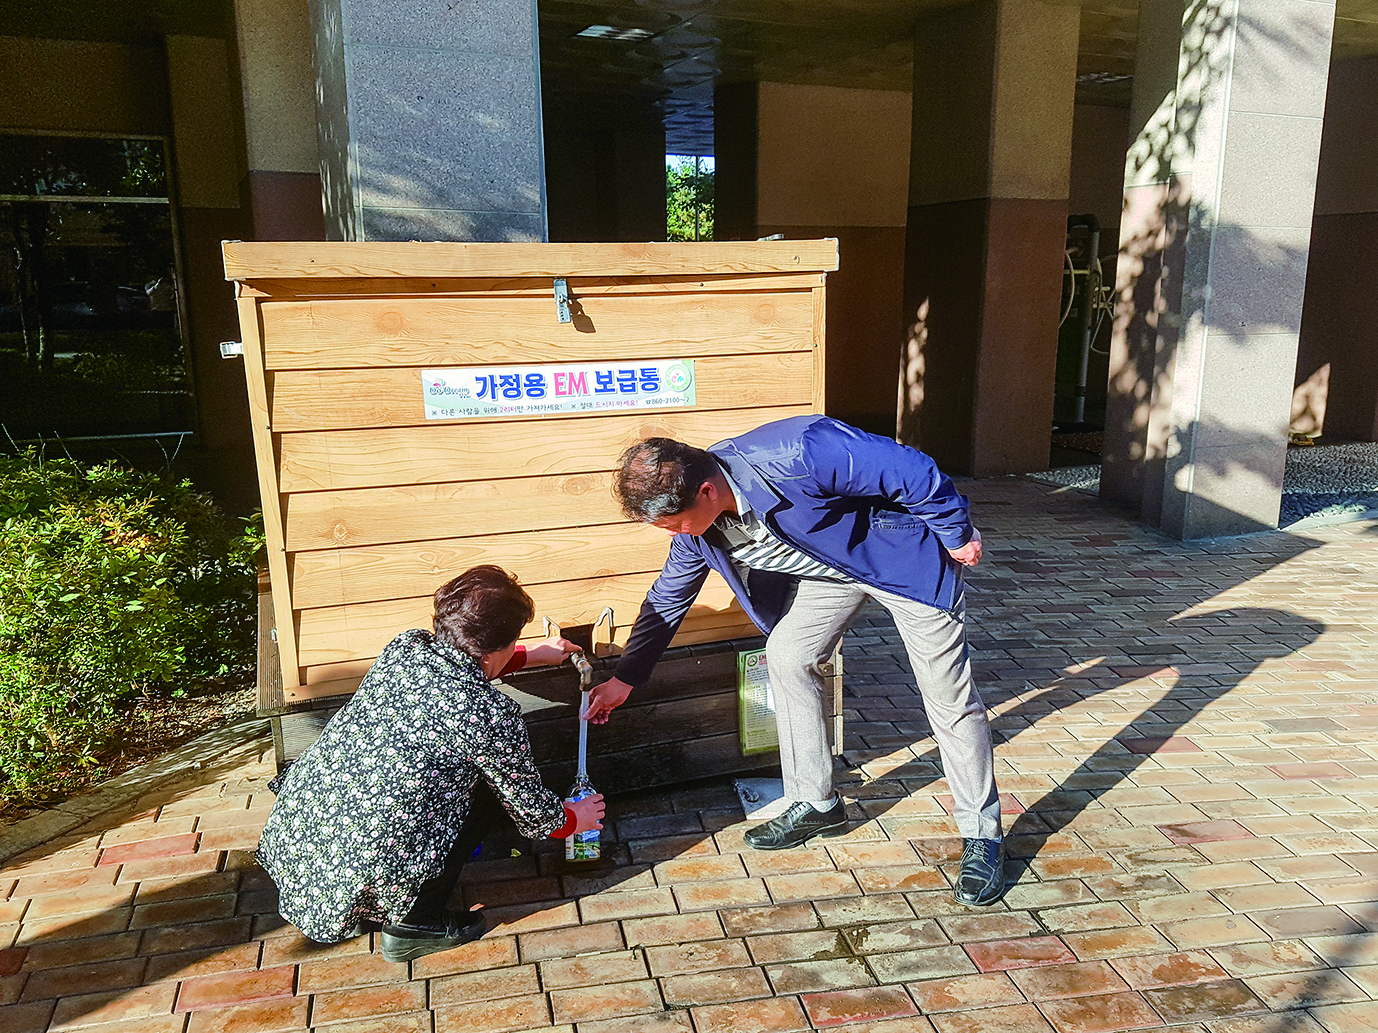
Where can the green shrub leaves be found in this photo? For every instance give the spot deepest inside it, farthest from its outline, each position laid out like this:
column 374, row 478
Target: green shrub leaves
column 113, row 583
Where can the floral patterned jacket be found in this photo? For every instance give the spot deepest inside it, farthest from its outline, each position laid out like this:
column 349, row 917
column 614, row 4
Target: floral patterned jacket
column 371, row 809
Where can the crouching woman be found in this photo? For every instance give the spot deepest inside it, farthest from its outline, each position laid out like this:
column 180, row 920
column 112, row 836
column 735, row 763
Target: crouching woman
column 366, row 822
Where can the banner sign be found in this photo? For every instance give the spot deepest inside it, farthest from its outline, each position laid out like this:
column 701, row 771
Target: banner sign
column 451, row 394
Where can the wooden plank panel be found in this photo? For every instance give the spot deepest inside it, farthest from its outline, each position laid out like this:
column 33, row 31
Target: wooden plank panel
column 346, row 259
column 424, row 331
column 327, row 674
column 691, row 634
column 578, row 286
column 324, row 689
column 269, row 486
column 421, row 512
column 269, row 663
column 326, row 460
column 391, row 397
column 335, row 633
column 820, row 365
column 334, row 679
column 636, row 726
column 676, row 677
column 333, row 577
column 362, row 470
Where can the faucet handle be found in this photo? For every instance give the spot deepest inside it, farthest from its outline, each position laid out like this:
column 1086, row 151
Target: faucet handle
column 585, row 669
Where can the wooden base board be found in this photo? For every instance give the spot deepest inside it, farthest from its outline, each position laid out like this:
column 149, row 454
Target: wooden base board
column 681, row 725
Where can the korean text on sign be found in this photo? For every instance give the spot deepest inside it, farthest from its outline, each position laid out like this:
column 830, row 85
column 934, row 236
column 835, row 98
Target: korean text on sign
column 563, row 388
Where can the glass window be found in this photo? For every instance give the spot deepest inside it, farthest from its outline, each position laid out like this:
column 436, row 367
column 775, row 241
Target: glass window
column 91, row 340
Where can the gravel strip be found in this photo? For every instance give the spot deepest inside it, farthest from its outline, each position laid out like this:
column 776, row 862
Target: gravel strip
column 1086, row 478
column 1322, row 481
column 1332, row 469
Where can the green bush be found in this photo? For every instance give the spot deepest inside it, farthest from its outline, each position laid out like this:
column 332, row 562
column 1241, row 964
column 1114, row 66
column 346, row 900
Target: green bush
column 114, row 584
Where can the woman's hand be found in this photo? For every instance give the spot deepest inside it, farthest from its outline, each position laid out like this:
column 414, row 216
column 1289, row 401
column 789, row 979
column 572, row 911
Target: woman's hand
column 552, row 651
column 588, row 812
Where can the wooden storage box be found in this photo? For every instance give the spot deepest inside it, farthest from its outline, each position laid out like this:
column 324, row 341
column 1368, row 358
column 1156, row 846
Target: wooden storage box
column 373, row 498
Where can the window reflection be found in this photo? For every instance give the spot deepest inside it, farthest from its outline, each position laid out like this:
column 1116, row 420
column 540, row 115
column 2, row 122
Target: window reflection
column 91, row 341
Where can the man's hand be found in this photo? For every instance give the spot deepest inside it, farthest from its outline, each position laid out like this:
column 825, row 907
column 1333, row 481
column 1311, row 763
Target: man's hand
column 588, row 812
column 969, row 554
column 552, row 651
column 603, row 699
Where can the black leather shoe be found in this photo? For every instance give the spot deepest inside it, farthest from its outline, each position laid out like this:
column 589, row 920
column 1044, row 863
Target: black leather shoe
column 800, row 823
column 981, row 880
column 406, row 941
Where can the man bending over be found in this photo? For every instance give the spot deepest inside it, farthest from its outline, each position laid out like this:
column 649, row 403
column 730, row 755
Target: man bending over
column 806, row 519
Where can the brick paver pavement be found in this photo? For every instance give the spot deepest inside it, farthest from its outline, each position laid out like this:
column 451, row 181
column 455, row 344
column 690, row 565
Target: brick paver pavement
column 1188, row 752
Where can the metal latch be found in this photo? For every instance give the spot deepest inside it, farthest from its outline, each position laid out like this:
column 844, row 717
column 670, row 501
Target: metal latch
column 231, row 349
column 562, row 300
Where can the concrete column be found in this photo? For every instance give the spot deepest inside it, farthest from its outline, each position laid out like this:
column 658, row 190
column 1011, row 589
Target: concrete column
column 1336, row 386
column 429, row 119
column 207, row 171
column 281, row 193
column 1219, row 186
column 994, row 90
column 833, row 162
column 735, row 127
column 824, row 161
column 605, row 177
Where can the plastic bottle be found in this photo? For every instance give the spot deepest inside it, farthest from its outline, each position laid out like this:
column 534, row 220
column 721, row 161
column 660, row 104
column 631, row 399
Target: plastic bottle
column 582, row 846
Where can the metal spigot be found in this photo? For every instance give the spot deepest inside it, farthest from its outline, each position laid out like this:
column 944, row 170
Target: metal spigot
column 585, row 669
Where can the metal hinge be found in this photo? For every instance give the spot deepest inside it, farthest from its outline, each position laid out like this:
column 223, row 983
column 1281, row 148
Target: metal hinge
column 562, row 301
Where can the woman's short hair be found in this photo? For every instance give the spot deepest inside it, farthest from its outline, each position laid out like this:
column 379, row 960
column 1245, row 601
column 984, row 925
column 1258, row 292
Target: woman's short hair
column 482, row 611
column 661, row 477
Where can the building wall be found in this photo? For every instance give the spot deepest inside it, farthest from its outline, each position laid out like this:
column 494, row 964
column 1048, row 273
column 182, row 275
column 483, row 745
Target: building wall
column 273, row 75
column 179, row 89
column 734, row 155
column 834, row 162
column 66, row 85
column 1337, row 358
column 1100, row 136
column 994, row 93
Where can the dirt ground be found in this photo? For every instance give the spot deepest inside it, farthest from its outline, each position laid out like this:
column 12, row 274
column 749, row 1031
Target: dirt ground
column 158, row 724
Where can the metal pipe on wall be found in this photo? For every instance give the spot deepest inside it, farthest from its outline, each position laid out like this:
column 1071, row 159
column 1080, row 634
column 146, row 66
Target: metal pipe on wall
column 1089, row 289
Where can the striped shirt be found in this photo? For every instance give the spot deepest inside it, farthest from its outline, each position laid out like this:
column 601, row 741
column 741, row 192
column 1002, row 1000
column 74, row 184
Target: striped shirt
column 751, row 545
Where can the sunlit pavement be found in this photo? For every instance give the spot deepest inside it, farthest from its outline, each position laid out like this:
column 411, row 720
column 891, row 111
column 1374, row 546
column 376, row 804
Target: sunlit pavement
column 1188, row 752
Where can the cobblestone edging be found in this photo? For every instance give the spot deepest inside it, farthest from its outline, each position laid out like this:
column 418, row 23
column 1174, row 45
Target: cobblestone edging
column 126, row 789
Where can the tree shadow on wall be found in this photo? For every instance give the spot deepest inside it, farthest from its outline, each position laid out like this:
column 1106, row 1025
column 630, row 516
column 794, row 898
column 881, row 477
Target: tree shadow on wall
column 1243, row 284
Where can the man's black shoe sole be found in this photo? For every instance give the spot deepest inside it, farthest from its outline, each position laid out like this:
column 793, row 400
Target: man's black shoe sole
column 826, row 832
column 987, row 902
column 409, row 948
column 396, row 948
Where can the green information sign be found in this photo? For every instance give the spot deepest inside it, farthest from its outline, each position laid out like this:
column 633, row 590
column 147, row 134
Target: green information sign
column 756, row 705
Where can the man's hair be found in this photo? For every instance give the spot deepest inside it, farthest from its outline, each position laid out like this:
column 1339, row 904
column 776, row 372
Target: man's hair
column 482, row 611
column 660, row 477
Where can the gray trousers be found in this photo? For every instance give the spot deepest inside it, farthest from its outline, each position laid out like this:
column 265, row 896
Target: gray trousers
column 815, row 618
